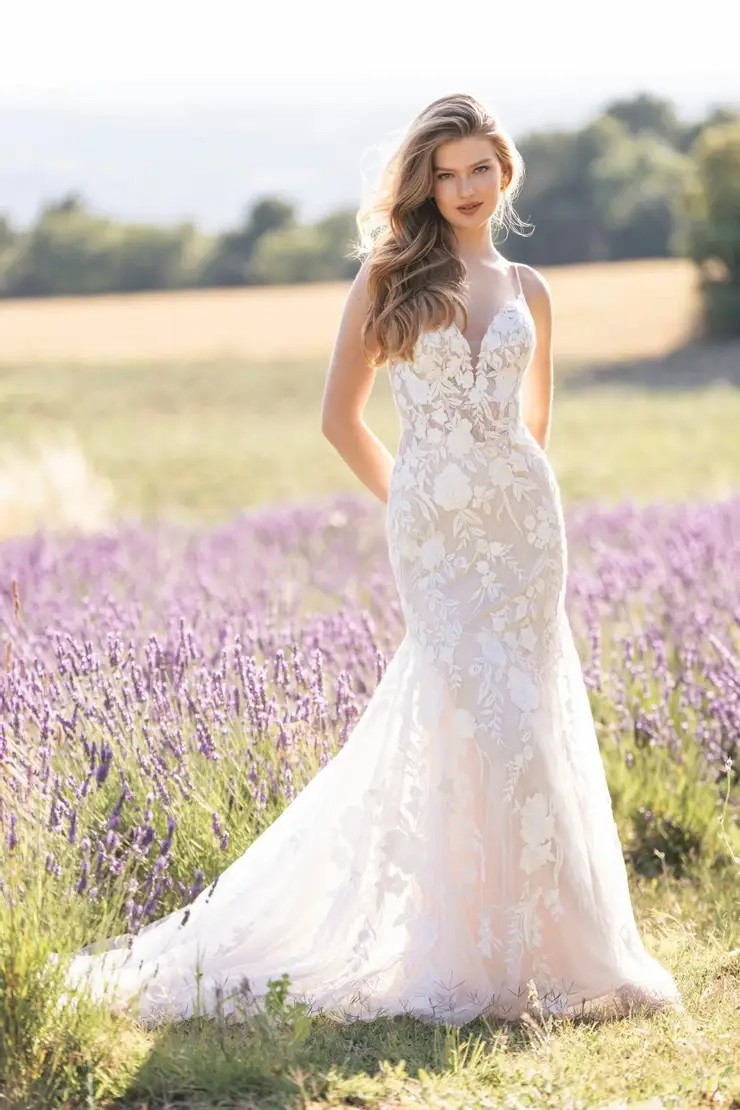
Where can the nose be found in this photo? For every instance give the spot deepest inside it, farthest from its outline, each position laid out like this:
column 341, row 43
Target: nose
column 466, row 188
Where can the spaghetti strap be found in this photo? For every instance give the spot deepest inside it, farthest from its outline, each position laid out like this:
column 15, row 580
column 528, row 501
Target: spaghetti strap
column 517, row 279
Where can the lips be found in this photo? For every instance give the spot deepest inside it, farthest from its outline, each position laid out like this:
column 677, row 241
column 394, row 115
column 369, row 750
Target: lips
column 469, row 207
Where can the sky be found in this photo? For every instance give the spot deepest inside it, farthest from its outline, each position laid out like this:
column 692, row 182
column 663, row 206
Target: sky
column 168, row 56
column 306, row 99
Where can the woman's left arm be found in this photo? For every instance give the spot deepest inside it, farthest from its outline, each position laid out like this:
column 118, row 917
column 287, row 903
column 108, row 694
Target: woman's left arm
column 538, row 380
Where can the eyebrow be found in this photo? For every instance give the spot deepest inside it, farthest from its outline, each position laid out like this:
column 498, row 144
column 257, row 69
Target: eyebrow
column 470, row 167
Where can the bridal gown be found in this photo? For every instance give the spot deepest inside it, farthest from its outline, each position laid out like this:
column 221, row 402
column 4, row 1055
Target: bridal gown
column 460, row 850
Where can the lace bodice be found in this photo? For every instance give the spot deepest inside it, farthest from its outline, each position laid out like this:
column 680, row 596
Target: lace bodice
column 445, row 398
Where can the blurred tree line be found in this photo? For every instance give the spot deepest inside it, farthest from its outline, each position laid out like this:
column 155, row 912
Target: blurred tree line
column 636, row 182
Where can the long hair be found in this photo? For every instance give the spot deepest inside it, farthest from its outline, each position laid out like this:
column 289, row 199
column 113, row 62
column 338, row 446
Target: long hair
column 415, row 278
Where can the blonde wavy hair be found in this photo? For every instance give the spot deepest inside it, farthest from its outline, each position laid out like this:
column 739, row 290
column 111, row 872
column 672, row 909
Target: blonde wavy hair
column 415, row 278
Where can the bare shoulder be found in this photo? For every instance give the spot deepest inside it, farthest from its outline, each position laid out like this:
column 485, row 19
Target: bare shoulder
column 536, row 287
column 359, row 285
column 357, row 301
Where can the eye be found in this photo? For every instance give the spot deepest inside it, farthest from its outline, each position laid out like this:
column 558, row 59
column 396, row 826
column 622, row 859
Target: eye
column 441, row 176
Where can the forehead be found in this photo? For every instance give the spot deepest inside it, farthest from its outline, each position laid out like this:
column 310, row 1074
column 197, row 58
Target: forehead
column 461, row 153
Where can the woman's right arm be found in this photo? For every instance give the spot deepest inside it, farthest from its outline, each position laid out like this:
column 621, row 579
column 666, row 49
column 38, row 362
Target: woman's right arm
column 348, row 385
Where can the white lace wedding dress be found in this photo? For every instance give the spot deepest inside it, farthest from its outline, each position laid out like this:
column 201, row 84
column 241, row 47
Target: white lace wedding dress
column 460, row 850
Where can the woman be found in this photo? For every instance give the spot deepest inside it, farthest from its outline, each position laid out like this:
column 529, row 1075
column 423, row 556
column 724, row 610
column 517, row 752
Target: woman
column 459, row 853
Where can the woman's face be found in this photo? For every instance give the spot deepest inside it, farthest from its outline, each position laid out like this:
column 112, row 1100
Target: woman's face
column 467, row 171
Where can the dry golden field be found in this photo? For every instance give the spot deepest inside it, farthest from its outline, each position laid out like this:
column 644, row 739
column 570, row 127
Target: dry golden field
column 605, row 311
column 195, row 405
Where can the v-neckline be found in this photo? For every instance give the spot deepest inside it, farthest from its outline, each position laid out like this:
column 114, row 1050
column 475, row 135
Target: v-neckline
column 475, row 363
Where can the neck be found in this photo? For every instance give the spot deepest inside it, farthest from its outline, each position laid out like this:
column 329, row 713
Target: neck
column 474, row 245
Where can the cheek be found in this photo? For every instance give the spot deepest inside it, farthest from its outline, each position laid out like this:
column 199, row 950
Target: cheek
column 447, row 195
column 491, row 183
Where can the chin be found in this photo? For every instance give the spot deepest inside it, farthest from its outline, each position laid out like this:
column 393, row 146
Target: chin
column 479, row 217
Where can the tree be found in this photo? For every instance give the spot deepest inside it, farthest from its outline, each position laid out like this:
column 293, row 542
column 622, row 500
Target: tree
column 710, row 232
column 647, row 114
column 72, row 203
column 9, row 240
column 636, row 180
column 71, row 251
column 230, row 262
column 693, row 130
column 561, row 196
column 338, row 230
column 294, row 254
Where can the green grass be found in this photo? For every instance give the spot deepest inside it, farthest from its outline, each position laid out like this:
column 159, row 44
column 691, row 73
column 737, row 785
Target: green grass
column 202, row 441
column 397, row 1064
column 286, row 1059
column 400, row 1063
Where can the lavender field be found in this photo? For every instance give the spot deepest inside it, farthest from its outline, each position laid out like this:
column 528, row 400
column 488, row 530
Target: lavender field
column 165, row 691
column 141, row 663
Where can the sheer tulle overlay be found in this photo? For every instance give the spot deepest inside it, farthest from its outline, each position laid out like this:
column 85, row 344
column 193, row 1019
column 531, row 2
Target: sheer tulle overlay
column 460, row 852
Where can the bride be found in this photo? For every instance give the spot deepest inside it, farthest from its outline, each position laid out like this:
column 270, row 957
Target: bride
column 459, row 855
